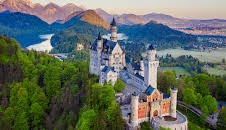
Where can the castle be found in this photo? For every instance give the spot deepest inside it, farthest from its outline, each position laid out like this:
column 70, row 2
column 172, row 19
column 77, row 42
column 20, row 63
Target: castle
column 107, row 60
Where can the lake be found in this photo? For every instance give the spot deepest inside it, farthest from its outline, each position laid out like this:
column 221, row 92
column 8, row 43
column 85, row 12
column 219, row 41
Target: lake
column 43, row 46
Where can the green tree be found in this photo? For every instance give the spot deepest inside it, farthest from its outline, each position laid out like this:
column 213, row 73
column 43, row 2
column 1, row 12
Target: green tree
column 223, row 60
column 166, row 81
column 21, row 122
column 204, row 115
column 119, row 86
column 52, row 80
column 211, row 104
column 146, row 126
column 162, row 128
column 221, row 120
column 86, row 121
column 189, row 96
column 114, row 117
column 37, row 115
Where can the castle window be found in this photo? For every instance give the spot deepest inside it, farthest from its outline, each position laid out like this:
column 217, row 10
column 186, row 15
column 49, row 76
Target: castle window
column 156, row 99
column 153, row 100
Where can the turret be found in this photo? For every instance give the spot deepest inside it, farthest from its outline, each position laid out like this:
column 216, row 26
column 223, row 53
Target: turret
column 99, row 42
column 99, row 52
column 151, row 52
column 173, row 104
column 150, row 68
column 113, row 31
column 134, row 109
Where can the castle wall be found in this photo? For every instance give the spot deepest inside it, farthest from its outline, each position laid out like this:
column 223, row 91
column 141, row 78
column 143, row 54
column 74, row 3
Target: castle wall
column 144, row 110
column 94, row 63
column 180, row 124
column 165, row 107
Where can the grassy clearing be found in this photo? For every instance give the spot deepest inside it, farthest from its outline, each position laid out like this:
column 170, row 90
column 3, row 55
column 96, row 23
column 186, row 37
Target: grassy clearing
column 218, row 70
column 179, row 70
column 214, row 56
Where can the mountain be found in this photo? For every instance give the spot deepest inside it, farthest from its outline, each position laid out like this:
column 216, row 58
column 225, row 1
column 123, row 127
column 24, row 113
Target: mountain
column 130, row 19
column 49, row 13
column 158, row 17
column 158, row 34
column 89, row 16
column 24, row 6
column 24, row 28
column 106, row 16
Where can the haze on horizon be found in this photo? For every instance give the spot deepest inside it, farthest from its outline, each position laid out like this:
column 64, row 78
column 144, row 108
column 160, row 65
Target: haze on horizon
column 191, row 9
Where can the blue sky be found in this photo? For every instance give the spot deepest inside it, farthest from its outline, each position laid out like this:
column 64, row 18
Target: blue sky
column 201, row 9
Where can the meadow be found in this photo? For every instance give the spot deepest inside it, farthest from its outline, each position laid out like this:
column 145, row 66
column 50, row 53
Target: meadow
column 214, row 56
column 218, row 70
column 179, row 70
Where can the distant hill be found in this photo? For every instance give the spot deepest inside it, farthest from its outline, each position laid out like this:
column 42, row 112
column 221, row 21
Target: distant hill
column 80, row 32
column 24, row 28
column 89, row 16
column 130, row 19
column 158, row 17
column 49, row 13
column 157, row 34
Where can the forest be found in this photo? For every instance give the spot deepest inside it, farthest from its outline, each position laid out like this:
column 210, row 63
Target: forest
column 40, row 92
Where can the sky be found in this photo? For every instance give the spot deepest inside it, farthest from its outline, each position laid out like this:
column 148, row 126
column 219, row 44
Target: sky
column 192, row 9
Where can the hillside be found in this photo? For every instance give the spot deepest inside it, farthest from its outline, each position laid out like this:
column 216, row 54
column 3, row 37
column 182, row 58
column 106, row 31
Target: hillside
column 66, row 41
column 23, row 27
column 89, row 16
column 40, row 92
column 80, row 32
column 155, row 32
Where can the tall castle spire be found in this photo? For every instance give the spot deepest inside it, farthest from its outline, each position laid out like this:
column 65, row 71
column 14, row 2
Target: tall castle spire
column 113, row 30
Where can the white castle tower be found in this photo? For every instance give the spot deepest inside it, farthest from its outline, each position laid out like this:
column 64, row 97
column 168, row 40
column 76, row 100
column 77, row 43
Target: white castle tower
column 134, row 110
column 99, row 51
column 173, row 105
column 113, row 31
column 150, row 68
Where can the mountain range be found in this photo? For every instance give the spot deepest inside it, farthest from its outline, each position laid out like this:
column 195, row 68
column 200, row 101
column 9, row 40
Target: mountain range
column 51, row 13
column 48, row 13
